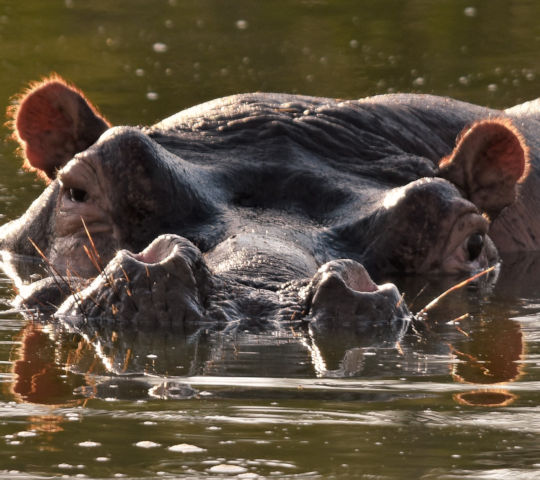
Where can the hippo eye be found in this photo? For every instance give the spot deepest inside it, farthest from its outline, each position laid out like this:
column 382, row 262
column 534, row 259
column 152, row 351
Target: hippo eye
column 475, row 244
column 77, row 195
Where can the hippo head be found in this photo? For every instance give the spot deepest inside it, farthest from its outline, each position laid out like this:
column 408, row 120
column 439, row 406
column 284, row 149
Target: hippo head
column 254, row 212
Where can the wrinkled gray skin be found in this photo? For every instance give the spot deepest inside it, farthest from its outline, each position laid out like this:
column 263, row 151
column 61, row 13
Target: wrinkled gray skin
column 259, row 209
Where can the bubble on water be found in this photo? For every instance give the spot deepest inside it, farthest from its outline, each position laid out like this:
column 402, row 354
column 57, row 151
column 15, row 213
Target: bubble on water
column 353, row 43
column 103, row 459
column 277, row 463
column 27, row 433
column 89, row 444
column 152, row 96
column 65, row 466
column 151, row 355
column 213, row 428
column 419, row 82
column 149, row 422
column 227, row 469
column 160, row 47
column 492, row 87
column 470, row 12
column 147, row 444
column 139, row 72
column 464, row 80
column 241, row 24
column 186, row 448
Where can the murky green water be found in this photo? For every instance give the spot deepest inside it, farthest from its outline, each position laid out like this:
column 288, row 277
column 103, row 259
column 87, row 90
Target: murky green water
column 459, row 401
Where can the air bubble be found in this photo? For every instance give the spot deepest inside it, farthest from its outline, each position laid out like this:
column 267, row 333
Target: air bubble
column 186, row 448
column 241, row 24
column 147, row 444
column 159, row 47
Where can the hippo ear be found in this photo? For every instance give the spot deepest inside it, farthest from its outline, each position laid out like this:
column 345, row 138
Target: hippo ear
column 489, row 160
column 52, row 122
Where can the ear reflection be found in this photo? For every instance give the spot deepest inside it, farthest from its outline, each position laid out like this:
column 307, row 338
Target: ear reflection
column 39, row 377
column 489, row 354
column 485, row 398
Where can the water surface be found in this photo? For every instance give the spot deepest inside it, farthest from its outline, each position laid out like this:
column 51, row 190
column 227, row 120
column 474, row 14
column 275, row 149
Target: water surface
column 458, row 400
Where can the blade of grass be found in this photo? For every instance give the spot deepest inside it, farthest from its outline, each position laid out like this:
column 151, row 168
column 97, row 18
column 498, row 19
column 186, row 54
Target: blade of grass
column 462, row 284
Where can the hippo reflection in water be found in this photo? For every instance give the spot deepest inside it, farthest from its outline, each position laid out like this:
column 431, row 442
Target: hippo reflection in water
column 256, row 209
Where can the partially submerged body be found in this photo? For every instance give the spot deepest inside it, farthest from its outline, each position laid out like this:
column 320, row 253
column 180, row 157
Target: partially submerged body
column 257, row 209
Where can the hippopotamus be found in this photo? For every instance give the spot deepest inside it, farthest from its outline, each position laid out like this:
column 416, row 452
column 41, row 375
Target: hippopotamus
column 255, row 209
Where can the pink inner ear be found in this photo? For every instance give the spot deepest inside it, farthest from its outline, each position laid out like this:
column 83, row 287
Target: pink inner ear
column 45, row 125
column 488, row 161
column 53, row 122
column 508, row 152
column 40, row 111
column 487, row 148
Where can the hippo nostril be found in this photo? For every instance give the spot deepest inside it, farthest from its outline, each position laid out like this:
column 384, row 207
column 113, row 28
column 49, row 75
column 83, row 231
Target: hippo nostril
column 77, row 195
column 475, row 245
